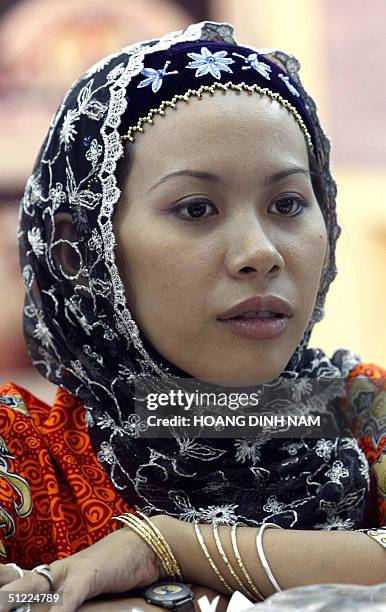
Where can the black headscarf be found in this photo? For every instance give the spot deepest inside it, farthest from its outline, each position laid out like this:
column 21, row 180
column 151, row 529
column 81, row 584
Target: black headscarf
column 80, row 332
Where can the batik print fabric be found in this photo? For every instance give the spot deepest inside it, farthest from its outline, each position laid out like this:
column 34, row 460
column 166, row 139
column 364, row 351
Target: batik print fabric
column 55, row 497
column 366, row 409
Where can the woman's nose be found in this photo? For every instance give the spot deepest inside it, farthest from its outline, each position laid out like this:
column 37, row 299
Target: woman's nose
column 252, row 251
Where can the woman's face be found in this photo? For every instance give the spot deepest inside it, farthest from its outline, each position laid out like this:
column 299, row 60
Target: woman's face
column 218, row 208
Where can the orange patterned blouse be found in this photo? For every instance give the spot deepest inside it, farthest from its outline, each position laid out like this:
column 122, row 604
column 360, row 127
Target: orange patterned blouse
column 55, row 498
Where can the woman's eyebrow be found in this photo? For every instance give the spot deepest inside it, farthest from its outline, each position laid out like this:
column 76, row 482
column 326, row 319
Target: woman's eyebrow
column 282, row 174
column 209, row 176
column 206, row 176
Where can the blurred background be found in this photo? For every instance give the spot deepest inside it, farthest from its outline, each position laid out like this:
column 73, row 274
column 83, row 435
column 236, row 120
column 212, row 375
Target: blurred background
column 46, row 44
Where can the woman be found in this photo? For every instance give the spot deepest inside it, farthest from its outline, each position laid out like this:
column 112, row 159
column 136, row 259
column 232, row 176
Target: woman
column 183, row 195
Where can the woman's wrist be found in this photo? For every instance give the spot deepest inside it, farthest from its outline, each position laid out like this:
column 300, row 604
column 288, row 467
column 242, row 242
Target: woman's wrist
column 149, row 566
column 174, row 532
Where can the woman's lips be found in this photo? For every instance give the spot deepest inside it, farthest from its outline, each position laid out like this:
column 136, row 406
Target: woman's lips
column 261, row 329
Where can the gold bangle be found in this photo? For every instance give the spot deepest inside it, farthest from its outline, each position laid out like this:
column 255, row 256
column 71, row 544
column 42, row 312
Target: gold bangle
column 163, row 539
column 227, row 562
column 141, row 528
column 173, row 567
column 154, row 544
column 167, row 552
column 207, row 555
column 241, row 564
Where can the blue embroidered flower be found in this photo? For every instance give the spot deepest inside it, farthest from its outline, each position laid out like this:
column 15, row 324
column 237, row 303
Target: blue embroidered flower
column 253, row 62
column 285, row 80
column 206, row 62
column 155, row 77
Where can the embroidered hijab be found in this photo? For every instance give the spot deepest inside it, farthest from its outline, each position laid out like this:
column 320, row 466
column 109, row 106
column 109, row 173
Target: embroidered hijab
column 80, row 332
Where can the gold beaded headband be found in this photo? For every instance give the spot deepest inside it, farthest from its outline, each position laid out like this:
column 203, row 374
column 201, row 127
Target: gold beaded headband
column 198, row 93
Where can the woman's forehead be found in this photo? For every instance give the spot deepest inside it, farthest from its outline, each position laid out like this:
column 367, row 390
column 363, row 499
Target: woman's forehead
column 218, row 129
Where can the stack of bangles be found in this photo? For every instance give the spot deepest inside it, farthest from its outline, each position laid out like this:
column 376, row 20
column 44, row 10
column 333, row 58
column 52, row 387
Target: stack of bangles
column 243, row 579
column 153, row 537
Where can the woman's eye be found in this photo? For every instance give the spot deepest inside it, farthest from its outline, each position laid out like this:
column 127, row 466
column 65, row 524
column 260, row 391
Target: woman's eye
column 198, row 209
column 290, row 206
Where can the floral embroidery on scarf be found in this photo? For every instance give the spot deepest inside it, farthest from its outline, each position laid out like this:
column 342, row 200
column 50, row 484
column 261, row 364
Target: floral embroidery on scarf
column 253, row 61
column 94, row 109
column 68, row 131
column 337, row 471
column 94, row 152
column 57, row 196
column 291, row 88
column 36, row 241
column 207, row 62
column 218, row 514
column 324, row 448
column 155, row 77
column 41, row 331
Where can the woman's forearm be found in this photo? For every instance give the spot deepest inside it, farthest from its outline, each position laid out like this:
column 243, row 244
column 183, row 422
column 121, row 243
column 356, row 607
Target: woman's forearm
column 296, row 557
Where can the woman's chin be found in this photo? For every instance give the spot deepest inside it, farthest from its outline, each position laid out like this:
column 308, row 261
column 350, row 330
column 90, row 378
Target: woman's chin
column 239, row 379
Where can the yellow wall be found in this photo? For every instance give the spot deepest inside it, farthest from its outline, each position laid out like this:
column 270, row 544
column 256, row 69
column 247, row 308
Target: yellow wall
column 356, row 304
column 355, row 314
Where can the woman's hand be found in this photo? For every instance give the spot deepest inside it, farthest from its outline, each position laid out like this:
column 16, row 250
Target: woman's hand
column 119, row 562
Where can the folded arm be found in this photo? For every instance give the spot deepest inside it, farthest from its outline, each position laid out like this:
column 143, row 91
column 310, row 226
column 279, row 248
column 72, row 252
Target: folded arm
column 296, row 557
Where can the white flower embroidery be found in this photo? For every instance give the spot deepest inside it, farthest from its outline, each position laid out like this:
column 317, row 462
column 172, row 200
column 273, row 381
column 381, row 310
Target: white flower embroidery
column 324, row 448
column 86, row 199
column 88, row 351
column 106, row 421
column 95, row 243
column 301, row 387
column 83, row 198
column 292, row 447
column 155, row 77
column 335, row 522
column 291, row 88
column 191, row 448
column 206, row 62
column 78, row 369
column 57, row 196
column 115, row 73
column 108, row 334
column 252, row 61
column 36, row 241
column 42, row 332
column 248, row 449
column 68, row 131
column 337, row 472
column 95, row 110
column 188, row 515
column 94, row 152
column 133, row 426
column 219, row 514
column 273, row 505
column 32, row 195
column 106, row 453
column 364, row 467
